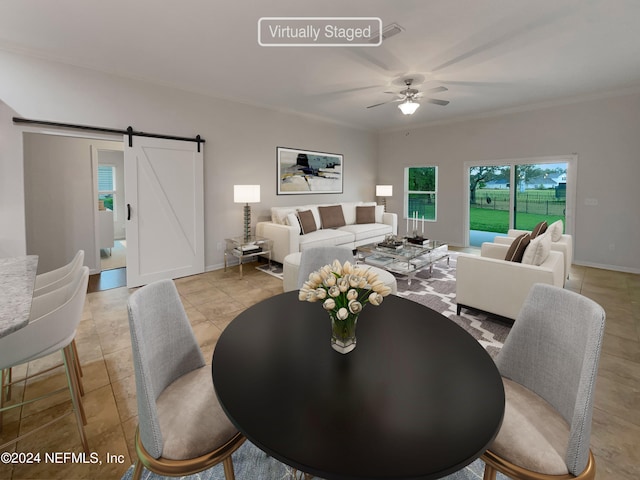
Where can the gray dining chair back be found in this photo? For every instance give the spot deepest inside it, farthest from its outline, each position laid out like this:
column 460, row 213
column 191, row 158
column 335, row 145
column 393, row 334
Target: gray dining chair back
column 314, row 258
column 553, row 350
column 182, row 428
column 164, row 349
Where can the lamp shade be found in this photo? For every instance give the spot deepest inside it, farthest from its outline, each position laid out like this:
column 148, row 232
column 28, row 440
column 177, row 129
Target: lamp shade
column 246, row 193
column 384, row 190
column 408, row 107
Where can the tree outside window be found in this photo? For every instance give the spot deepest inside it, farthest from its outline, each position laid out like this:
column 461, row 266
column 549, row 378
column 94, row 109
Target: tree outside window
column 421, row 187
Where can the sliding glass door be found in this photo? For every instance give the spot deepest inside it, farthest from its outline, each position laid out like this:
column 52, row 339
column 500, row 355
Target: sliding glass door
column 541, row 194
column 518, row 195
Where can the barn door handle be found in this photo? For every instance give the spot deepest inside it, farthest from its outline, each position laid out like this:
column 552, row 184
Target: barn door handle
column 128, row 211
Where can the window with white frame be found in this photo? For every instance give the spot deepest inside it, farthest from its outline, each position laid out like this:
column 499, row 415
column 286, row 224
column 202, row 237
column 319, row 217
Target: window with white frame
column 107, row 186
column 421, row 193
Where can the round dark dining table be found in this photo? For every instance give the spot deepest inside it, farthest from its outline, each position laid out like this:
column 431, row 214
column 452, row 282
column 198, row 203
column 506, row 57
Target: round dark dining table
column 418, row 398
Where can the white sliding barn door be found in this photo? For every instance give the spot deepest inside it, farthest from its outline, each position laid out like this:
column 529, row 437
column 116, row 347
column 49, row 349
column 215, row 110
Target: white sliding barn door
column 165, row 209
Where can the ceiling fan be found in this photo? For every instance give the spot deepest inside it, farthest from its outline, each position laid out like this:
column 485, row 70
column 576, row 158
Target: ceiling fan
column 409, row 96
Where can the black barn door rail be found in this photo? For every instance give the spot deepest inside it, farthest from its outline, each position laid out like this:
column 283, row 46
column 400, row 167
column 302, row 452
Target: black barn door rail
column 130, row 132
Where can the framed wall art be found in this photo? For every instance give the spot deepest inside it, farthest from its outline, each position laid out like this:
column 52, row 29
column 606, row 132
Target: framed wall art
column 303, row 172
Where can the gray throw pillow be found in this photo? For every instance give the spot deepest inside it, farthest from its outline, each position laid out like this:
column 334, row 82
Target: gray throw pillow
column 332, row 216
column 307, row 222
column 366, row 214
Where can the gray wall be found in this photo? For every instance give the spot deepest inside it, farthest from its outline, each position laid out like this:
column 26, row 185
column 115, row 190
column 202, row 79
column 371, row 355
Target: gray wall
column 604, row 133
column 59, row 199
column 240, row 146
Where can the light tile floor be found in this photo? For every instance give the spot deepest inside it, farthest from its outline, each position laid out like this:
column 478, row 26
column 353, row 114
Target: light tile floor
column 212, row 300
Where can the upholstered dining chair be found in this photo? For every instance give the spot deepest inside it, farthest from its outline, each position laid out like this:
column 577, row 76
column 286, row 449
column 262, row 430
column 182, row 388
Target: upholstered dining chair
column 44, row 283
column 549, row 364
column 314, row 258
column 182, row 428
column 52, row 327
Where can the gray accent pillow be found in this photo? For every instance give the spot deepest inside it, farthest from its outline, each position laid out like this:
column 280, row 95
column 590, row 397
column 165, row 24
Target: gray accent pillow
column 332, row 216
column 366, row 214
column 307, row 222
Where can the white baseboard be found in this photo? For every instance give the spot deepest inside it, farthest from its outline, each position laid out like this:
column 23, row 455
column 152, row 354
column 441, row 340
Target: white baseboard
column 615, row 268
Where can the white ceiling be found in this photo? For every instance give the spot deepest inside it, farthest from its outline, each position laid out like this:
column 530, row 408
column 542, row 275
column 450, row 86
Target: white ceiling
column 492, row 55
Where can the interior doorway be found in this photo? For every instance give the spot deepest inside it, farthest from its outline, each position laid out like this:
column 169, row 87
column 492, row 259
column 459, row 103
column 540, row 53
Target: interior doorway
column 518, row 194
column 111, row 229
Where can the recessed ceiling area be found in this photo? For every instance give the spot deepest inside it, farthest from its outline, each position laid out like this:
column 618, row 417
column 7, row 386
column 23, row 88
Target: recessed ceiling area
column 491, row 55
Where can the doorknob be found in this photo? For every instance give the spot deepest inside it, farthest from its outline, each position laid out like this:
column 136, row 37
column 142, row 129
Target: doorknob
column 128, row 211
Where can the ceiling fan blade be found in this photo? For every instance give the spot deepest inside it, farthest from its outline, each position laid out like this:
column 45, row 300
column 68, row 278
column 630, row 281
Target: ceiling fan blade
column 378, row 104
column 436, row 89
column 401, row 99
column 435, row 101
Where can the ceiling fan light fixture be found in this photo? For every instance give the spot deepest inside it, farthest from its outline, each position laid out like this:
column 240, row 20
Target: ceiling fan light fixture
column 408, row 107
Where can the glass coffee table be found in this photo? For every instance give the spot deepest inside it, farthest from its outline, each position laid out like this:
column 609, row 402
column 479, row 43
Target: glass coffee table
column 406, row 259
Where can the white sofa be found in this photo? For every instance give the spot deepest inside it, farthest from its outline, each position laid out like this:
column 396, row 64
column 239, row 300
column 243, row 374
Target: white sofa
column 287, row 237
column 488, row 282
column 564, row 245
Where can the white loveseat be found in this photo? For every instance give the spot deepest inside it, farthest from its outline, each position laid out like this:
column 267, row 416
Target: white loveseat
column 490, row 283
column 287, row 237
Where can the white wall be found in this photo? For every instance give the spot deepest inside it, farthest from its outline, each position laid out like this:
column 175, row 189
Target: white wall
column 604, row 133
column 240, row 146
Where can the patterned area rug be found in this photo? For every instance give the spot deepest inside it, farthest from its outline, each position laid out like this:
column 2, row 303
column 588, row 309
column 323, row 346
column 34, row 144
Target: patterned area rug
column 250, row 463
column 437, row 290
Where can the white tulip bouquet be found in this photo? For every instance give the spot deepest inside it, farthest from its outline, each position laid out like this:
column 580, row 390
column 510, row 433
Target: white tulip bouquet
column 344, row 290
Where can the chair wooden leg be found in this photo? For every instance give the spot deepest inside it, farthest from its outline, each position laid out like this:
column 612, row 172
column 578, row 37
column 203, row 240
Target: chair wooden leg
column 489, row 472
column 75, row 355
column 7, row 376
column 137, row 470
column 76, row 372
column 75, row 398
column 227, row 463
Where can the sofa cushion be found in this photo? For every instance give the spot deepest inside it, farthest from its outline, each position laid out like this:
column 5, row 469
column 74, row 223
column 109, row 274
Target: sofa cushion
column 279, row 214
column 349, row 211
column 366, row 214
column 326, row 238
column 367, row 230
column 539, row 229
column 538, row 250
column 379, row 210
column 517, row 248
column 332, row 216
column 307, row 222
column 293, row 221
column 555, row 230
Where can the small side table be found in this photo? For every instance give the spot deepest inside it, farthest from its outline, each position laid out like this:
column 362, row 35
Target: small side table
column 240, row 248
